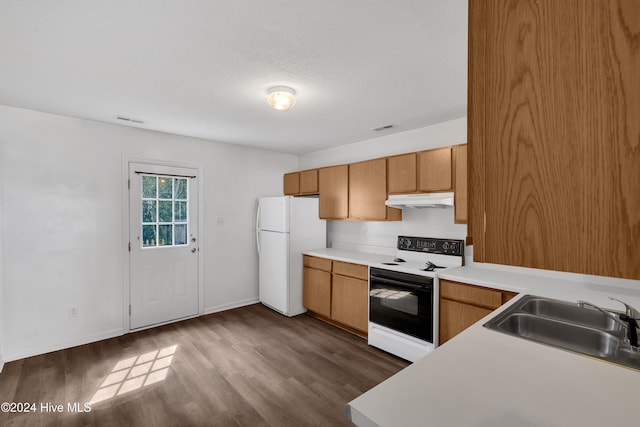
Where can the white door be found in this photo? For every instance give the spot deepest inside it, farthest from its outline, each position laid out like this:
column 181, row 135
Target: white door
column 274, row 270
column 163, row 236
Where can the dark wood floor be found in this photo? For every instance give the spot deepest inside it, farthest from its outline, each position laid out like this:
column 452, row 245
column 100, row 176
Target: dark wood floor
column 244, row 367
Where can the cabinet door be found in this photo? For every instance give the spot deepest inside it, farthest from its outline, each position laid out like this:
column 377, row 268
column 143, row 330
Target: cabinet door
column 291, row 183
column 460, row 184
column 435, row 170
column 456, row 316
column 368, row 190
column 350, row 302
column 317, row 291
column 309, row 182
column 333, row 186
column 402, row 174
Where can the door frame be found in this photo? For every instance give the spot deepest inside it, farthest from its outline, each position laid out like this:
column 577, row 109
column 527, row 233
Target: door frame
column 126, row 263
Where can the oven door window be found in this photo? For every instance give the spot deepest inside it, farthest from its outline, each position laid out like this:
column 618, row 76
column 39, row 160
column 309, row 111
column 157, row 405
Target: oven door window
column 405, row 308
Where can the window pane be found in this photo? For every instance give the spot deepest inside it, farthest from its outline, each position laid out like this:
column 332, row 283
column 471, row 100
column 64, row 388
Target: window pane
column 148, row 211
column 164, row 211
column 180, row 211
column 148, row 186
column 181, row 234
column 148, row 235
column 165, row 190
column 165, row 237
column 181, row 189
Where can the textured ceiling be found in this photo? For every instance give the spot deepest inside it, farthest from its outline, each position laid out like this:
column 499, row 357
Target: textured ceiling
column 202, row 67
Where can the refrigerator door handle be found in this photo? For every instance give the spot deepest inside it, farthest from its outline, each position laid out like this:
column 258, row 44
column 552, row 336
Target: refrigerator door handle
column 257, row 229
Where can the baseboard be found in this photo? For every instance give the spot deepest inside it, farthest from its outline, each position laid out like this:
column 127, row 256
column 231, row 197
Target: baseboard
column 36, row 351
column 229, row 306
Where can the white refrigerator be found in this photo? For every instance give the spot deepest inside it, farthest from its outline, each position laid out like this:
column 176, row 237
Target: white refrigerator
column 285, row 227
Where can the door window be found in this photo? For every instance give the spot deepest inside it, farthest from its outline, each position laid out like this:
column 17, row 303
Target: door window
column 165, row 220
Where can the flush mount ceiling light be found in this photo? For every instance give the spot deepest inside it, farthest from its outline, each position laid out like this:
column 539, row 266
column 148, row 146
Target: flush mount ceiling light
column 281, row 98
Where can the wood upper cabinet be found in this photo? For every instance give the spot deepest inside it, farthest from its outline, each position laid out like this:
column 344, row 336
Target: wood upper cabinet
column 301, row 183
column 291, row 183
column 462, row 305
column 554, row 134
column 402, row 175
column 333, row 186
column 309, row 181
column 368, row 191
column 460, row 183
column 435, row 168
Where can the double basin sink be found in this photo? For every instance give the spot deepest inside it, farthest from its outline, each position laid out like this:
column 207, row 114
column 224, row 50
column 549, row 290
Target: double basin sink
column 568, row 326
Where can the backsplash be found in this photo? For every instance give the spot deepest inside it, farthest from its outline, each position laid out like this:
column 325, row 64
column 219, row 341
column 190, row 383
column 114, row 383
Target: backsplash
column 380, row 237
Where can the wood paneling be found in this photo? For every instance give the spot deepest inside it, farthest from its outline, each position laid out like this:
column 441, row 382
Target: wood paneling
column 317, row 263
column 291, row 183
column 434, row 170
column 359, row 271
column 316, row 294
column 350, row 302
column 402, row 174
column 333, row 186
column 368, row 190
column 554, row 134
column 460, row 183
column 309, row 181
column 244, row 367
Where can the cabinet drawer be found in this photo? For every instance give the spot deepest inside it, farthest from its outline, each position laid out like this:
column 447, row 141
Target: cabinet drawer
column 485, row 297
column 358, row 271
column 317, row 263
column 350, row 302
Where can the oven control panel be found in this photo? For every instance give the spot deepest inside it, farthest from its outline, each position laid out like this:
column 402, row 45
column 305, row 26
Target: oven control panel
column 431, row 245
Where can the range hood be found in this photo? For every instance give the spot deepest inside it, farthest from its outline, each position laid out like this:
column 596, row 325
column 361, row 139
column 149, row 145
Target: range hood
column 428, row 200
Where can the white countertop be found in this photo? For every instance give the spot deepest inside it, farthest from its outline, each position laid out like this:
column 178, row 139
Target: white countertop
column 356, row 257
column 486, row 378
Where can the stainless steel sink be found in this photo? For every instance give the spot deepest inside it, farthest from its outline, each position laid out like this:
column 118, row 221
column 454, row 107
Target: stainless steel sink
column 568, row 326
column 569, row 312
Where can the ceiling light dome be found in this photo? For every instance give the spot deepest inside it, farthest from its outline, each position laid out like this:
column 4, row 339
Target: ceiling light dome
column 281, row 98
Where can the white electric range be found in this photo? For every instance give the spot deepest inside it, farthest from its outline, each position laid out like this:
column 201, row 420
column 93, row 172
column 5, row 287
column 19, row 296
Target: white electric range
column 403, row 295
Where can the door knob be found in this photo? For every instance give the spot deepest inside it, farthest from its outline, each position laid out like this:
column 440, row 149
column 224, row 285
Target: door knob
column 193, row 251
column 193, row 239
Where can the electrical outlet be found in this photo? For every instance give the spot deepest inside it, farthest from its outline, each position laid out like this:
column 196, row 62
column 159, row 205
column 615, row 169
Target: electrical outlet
column 73, row 312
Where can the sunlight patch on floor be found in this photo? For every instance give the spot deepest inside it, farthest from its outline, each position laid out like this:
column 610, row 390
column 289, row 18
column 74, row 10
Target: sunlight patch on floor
column 135, row 372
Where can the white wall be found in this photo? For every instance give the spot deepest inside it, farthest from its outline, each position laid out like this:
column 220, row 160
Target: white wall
column 381, row 236
column 63, row 221
column 2, row 308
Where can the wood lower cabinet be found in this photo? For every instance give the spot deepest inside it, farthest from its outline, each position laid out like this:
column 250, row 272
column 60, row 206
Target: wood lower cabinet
column 333, row 187
column 349, row 302
column 337, row 292
column 316, row 295
column 462, row 305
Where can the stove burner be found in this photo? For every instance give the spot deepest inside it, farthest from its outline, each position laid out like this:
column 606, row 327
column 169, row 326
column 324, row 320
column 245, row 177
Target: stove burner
column 390, row 263
column 399, row 260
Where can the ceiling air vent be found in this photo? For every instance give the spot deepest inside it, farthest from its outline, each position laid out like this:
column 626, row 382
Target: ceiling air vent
column 385, row 127
column 129, row 119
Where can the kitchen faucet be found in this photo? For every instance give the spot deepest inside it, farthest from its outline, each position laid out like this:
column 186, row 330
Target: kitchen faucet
column 628, row 321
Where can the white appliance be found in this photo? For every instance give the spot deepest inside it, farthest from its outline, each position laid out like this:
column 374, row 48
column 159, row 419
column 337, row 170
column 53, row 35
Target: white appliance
column 419, row 201
column 404, row 294
column 285, row 227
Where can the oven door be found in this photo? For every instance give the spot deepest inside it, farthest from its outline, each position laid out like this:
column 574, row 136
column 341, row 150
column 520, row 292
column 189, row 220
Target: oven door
column 402, row 302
